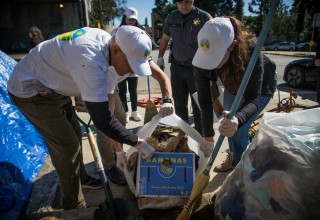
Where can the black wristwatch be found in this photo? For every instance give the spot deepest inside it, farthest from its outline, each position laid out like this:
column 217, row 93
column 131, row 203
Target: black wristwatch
column 167, row 100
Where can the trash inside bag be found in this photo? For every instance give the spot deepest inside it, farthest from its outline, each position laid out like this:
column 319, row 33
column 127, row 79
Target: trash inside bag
column 278, row 176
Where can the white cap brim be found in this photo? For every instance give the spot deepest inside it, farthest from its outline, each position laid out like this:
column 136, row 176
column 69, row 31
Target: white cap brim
column 214, row 39
column 205, row 60
column 132, row 17
column 140, row 68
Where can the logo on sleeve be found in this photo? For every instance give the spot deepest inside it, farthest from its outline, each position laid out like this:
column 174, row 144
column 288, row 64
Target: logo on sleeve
column 71, row 35
column 146, row 53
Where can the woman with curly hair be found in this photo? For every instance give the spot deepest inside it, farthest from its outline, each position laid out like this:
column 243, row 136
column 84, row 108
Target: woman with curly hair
column 225, row 47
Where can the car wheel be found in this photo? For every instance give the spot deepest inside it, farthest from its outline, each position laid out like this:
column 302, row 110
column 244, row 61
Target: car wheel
column 291, row 49
column 276, row 48
column 295, row 77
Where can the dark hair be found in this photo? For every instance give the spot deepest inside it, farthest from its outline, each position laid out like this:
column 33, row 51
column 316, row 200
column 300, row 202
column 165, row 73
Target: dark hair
column 123, row 22
column 36, row 33
column 234, row 69
column 36, row 36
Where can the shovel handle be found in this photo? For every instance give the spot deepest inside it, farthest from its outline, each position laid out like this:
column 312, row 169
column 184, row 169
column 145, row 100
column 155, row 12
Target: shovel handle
column 148, row 86
column 99, row 165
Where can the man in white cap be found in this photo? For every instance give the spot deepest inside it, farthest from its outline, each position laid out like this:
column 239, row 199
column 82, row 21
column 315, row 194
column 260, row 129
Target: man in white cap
column 87, row 62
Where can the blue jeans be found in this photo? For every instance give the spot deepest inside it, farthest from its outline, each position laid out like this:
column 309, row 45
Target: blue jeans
column 240, row 140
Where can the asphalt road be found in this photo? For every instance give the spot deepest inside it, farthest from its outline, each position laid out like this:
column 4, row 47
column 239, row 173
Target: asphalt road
column 281, row 58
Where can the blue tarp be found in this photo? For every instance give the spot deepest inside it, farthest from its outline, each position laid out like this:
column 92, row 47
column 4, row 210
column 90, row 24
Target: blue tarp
column 22, row 150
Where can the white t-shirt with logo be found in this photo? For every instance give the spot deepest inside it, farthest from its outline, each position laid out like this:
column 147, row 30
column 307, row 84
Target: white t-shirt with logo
column 71, row 64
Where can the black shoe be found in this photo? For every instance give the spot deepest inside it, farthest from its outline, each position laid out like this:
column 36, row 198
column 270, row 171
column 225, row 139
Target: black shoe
column 116, row 176
column 92, row 183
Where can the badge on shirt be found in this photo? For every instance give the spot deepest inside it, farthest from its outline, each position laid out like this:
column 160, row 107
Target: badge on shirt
column 71, row 35
column 196, row 22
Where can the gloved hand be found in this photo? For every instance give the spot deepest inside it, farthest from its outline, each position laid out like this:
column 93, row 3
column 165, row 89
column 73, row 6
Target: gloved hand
column 228, row 127
column 145, row 149
column 160, row 63
column 166, row 109
column 121, row 159
column 206, row 147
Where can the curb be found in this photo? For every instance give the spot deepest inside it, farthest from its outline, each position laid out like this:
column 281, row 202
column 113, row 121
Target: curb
column 309, row 55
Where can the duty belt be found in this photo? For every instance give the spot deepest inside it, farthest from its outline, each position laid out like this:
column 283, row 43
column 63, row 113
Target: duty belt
column 182, row 63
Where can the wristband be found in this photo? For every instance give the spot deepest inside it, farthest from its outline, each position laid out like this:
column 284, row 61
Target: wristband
column 167, row 100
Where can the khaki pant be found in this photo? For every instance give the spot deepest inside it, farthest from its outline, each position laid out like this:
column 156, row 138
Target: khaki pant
column 104, row 142
column 54, row 119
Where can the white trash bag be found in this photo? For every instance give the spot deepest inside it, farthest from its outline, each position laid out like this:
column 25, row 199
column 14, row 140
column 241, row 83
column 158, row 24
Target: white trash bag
column 278, row 176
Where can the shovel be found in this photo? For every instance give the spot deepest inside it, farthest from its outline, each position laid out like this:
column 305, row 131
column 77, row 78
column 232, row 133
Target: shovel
column 151, row 109
column 111, row 208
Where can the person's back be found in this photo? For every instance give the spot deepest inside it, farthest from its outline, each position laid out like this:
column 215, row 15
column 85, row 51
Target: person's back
column 61, row 58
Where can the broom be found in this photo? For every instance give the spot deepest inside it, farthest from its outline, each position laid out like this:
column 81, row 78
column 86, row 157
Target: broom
column 202, row 179
column 151, row 109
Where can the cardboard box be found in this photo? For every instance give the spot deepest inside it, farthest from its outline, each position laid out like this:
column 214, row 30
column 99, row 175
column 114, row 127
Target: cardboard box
column 166, row 175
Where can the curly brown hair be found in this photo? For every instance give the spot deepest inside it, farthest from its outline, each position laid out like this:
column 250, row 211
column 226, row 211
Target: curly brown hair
column 232, row 71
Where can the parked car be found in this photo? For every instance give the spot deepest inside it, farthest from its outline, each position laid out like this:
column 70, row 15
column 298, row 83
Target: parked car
column 304, row 46
column 299, row 72
column 281, row 46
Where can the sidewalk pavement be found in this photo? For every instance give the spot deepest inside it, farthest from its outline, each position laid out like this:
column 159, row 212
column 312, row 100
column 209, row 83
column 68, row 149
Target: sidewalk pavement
column 291, row 53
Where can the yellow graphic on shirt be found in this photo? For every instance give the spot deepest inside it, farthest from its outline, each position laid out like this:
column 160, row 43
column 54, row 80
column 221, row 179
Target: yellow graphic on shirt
column 146, row 53
column 71, row 35
column 204, row 44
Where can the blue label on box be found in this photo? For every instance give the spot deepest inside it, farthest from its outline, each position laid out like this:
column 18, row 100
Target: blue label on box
column 166, row 174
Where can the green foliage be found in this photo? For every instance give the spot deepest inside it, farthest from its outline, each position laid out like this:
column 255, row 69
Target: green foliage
column 304, row 11
column 305, row 35
column 110, row 9
column 283, row 22
column 146, row 23
column 238, row 11
column 162, row 9
column 221, row 7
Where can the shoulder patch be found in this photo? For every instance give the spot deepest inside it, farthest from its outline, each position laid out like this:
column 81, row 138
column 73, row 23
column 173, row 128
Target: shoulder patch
column 71, row 35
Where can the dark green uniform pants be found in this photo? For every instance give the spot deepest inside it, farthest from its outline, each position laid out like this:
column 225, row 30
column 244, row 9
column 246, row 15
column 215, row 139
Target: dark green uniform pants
column 53, row 118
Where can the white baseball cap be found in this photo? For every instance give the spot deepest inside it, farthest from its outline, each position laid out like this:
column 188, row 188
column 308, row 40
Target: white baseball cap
column 131, row 13
column 136, row 45
column 214, row 39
